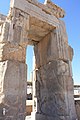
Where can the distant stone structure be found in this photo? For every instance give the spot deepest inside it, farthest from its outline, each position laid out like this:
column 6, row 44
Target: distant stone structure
column 77, row 99
column 32, row 23
column 29, row 101
column 77, row 92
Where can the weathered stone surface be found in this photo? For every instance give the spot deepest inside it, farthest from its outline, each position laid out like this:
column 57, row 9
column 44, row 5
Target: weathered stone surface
column 54, row 84
column 38, row 29
column 54, row 93
column 2, row 17
column 12, row 52
column 2, row 20
column 51, row 47
column 71, row 53
column 27, row 28
column 5, row 32
column 46, row 117
column 18, row 27
column 12, row 90
column 54, row 9
column 35, row 11
column 70, row 97
column 77, row 104
column 30, row 22
column 48, row 7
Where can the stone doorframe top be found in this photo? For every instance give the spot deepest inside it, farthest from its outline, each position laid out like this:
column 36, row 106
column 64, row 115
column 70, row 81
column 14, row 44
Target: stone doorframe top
column 42, row 18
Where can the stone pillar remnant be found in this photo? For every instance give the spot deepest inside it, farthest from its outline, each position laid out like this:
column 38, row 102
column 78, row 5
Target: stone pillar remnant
column 32, row 23
column 54, row 83
column 13, row 69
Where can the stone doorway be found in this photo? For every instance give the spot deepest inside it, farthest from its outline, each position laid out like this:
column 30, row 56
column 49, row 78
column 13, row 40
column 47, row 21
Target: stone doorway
column 32, row 23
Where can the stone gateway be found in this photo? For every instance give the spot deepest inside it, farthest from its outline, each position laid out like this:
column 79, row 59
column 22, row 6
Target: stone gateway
column 32, row 23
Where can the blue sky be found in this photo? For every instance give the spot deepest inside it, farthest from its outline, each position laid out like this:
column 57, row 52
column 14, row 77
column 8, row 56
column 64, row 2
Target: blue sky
column 72, row 21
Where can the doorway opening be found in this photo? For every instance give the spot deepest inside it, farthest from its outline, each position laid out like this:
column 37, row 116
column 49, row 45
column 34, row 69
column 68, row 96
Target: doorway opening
column 30, row 61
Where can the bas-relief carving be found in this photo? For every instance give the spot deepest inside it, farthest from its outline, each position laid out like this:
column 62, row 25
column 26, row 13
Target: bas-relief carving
column 54, row 91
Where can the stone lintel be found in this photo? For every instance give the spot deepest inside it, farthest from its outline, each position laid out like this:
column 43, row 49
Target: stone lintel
column 50, row 8
column 35, row 11
column 38, row 29
column 54, row 9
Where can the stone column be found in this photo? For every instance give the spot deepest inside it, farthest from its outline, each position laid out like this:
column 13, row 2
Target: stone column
column 54, row 83
column 13, row 70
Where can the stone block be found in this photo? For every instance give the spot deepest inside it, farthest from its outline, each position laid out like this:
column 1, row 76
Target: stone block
column 51, row 48
column 5, row 32
column 2, row 17
column 13, row 90
column 54, row 90
column 46, row 117
column 37, row 11
column 12, row 52
column 70, row 97
column 71, row 53
column 77, row 105
column 54, row 87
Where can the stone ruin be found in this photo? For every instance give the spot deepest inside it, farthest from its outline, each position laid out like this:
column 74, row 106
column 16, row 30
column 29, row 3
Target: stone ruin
column 32, row 23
